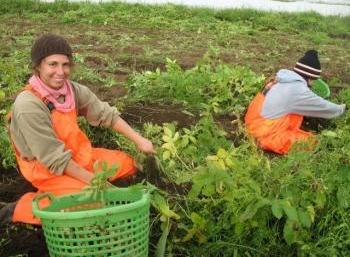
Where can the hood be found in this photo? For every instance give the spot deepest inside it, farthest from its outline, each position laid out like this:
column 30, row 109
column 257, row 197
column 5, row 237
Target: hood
column 288, row 76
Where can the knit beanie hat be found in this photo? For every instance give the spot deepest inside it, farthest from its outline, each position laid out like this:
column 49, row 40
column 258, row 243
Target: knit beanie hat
column 309, row 66
column 47, row 45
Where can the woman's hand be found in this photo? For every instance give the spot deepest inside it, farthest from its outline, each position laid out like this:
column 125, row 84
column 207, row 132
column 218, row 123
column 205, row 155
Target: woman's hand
column 144, row 145
column 76, row 171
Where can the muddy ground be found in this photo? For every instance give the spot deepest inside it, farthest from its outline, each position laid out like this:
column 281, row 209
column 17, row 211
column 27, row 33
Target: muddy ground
column 24, row 240
column 187, row 49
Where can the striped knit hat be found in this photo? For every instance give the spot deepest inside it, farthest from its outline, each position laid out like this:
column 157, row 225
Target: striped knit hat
column 309, row 66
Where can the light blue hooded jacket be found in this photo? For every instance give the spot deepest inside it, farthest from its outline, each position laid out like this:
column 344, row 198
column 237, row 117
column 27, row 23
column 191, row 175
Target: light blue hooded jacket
column 292, row 95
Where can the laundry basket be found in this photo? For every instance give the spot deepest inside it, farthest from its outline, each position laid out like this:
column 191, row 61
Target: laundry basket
column 77, row 226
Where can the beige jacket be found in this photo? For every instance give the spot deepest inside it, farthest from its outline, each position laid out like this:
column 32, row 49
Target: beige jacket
column 32, row 132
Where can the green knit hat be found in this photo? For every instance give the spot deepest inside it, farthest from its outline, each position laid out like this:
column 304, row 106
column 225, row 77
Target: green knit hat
column 47, row 45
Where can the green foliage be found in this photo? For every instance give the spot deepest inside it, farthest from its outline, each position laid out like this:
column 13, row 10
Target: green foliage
column 235, row 200
column 252, row 204
column 297, row 23
column 14, row 72
column 220, row 89
column 7, row 155
column 99, row 183
column 35, row 6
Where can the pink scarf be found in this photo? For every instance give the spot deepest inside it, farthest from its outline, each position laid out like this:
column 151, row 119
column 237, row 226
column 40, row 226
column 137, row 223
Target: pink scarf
column 52, row 94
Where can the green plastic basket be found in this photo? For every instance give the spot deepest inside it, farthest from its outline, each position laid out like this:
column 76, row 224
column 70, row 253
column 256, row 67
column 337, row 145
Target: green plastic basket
column 76, row 226
column 320, row 88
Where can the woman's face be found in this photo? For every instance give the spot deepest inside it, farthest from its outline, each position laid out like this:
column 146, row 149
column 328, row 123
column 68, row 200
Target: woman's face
column 54, row 70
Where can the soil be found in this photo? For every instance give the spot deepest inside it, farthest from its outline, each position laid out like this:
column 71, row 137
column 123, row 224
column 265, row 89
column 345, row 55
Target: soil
column 24, row 240
column 139, row 114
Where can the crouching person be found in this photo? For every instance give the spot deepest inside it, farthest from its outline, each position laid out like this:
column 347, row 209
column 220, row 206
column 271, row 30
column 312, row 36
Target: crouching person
column 52, row 152
column 275, row 115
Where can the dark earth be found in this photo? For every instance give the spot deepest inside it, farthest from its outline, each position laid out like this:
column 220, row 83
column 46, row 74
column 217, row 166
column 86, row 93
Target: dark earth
column 27, row 240
column 24, row 240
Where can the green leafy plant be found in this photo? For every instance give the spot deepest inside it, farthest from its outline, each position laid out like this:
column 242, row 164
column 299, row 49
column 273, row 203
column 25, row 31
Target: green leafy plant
column 219, row 89
column 99, row 184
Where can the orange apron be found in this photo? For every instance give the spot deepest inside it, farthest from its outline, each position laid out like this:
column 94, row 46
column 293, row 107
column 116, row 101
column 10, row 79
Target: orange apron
column 276, row 135
column 67, row 130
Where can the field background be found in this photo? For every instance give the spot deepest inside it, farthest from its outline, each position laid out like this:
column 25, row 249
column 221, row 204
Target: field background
column 184, row 77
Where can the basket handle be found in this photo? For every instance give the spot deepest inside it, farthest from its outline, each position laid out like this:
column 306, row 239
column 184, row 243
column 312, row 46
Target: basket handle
column 40, row 197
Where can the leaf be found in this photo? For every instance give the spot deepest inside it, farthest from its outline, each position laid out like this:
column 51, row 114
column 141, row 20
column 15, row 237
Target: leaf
column 161, row 205
column 320, row 200
column 252, row 209
column 221, row 153
column 277, row 209
column 239, row 228
column 329, row 133
column 201, row 238
column 209, row 190
column 289, row 234
column 311, row 211
column 304, row 218
column 168, row 146
column 229, row 162
column 290, row 211
column 166, row 138
column 195, row 190
column 198, row 220
column 221, row 164
column 168, row 132
column 193, row 139
column 95, row 166
column 212, row 158
column 190, row 234
column 104, row 166
column 343, row 196
column 199, row 224
column 176, row 136
column 184, row 141
column 2, row 95
column 161, row 245
column 166, row 155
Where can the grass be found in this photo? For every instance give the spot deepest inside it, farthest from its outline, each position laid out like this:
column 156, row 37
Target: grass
column 215, row 51
column 141, row 37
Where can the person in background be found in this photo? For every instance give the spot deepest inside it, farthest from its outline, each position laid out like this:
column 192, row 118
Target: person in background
column 275, row 115
column 52, row 152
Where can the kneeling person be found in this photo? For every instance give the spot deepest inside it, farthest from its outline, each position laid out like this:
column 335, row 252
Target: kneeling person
column 275, row 115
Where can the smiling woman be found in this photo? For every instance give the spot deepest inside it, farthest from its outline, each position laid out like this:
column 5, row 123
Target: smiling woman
column 54, row 70
column 51, row 151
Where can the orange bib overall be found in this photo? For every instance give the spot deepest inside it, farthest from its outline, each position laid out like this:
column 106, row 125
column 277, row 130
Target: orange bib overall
column 276, row 135
column 67, row 130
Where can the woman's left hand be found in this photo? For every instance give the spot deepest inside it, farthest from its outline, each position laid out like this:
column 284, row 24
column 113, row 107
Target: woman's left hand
column 146, row 146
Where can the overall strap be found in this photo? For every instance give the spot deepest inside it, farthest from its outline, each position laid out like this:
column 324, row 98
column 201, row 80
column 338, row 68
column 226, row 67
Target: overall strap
column 268, row 85
column 48, row 103
column 8, row 116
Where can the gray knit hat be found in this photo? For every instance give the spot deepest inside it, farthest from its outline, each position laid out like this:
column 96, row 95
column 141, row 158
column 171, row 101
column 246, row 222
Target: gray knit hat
column 47, row 45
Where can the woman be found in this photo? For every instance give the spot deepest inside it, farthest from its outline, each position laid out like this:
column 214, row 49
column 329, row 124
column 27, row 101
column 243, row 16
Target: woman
column 51, row 151
column 275, row 115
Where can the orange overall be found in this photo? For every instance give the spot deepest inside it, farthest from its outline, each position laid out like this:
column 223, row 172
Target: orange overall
column 276, row 135
column 67, row 130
